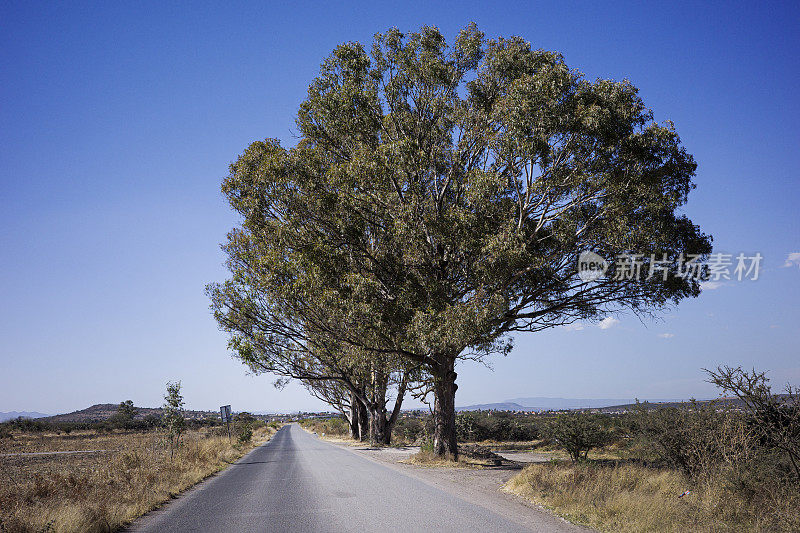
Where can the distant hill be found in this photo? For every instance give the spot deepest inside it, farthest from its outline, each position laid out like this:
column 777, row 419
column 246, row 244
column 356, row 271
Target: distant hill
column 104, row 411
column 552, row 404
column 16, row 414
column 555, row 404
column 734, row 403
column 503, row 406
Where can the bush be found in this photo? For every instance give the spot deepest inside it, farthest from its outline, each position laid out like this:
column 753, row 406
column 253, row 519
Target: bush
column 408, row 429
column 578, row 433
column 245, row 434
column 682, row 437
column 774, row 418
column 496, row 425
column 330, row 426
column 426, row 446
column 469, row 428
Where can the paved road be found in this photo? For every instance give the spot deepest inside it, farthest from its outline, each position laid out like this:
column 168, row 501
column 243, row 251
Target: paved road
column 296, row 482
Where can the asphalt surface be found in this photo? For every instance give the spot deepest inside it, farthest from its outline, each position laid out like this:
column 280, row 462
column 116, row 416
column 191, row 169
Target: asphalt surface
column 297, row 482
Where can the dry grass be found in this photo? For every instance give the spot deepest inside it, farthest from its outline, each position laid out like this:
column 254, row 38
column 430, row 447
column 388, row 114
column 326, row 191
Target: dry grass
column 106, row 490
column 629, row 497
column 516, row 446
column 429, row 459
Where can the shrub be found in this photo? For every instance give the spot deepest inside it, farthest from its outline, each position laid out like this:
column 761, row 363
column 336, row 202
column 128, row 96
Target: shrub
column 426, row 446
column 774, row 418
column 408, row 429
column 682, row 437
column 469, row 428
column 330, row 426
column 245, row 434
column 245, row 422
column 578, row 433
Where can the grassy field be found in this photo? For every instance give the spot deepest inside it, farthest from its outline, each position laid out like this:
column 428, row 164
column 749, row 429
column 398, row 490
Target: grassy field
column 127, row 474
column 627, row 497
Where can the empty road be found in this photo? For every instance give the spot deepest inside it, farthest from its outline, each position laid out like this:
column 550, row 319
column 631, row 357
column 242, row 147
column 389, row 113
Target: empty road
column 297, row 482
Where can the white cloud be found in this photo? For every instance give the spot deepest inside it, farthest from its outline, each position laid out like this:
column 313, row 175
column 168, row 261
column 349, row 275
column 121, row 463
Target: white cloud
column 710, row 285
column 575, row 326
column 666, row 335
column 608, row 322
column 793, row 259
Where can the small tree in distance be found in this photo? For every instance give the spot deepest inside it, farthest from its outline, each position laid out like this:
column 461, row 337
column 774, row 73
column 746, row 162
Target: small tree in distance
column 126, row 411
column 173, row 415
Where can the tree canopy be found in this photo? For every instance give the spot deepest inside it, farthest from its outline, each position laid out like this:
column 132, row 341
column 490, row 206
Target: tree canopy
column 437, row 201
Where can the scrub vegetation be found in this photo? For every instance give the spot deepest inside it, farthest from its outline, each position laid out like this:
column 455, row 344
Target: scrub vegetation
column 708, row 467
column 125, row 474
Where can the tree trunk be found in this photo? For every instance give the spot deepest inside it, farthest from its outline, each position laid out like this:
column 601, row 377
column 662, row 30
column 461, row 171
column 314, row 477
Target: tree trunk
column 444, row 411
column 353, row 419
column 363, row 421
column 378, row 423
column 398, row 403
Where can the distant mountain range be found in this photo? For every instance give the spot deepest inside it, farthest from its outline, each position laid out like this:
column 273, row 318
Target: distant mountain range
column 16, row 414
column 554, row 404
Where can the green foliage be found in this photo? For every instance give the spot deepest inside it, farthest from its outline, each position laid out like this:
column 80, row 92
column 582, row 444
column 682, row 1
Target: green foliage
column 37, row 425
column 683, row 437
column 499, row 426
column 245, row 434
column 124, row 417
column 353, row 210
column 717, row 446
column 475, row 426
column 151, row 421
column 409, row 429
column 468, row 428
column 28, row 424
column 748, row 451
column 244, row 423
column 578, row 433
column 173, row 418
column 329, row 426
column 426, row 445
column 437, row 201
column 126, row 410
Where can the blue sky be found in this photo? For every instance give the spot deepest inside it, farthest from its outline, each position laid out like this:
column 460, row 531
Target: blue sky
column 118, row 121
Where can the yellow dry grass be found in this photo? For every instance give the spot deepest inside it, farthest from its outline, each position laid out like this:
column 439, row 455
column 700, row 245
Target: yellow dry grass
column 105, row 490
column 429, row 459
column 634, row 498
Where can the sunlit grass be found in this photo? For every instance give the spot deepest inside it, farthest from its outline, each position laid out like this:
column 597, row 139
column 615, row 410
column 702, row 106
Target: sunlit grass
column 634, row 498
column 103, row 491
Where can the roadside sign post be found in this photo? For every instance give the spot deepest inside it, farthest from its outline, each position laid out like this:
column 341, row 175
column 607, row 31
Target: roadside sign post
column 225, row 412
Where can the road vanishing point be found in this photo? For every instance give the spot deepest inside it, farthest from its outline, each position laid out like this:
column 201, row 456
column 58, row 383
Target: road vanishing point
column 297, row 482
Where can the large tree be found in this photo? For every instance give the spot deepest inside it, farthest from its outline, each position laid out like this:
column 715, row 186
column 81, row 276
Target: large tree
column 438, row 199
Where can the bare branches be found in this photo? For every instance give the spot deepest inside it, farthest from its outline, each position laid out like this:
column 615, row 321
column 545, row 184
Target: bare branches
column 776, row 418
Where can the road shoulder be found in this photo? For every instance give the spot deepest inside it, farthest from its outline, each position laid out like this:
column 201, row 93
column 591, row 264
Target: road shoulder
column 477, row 486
